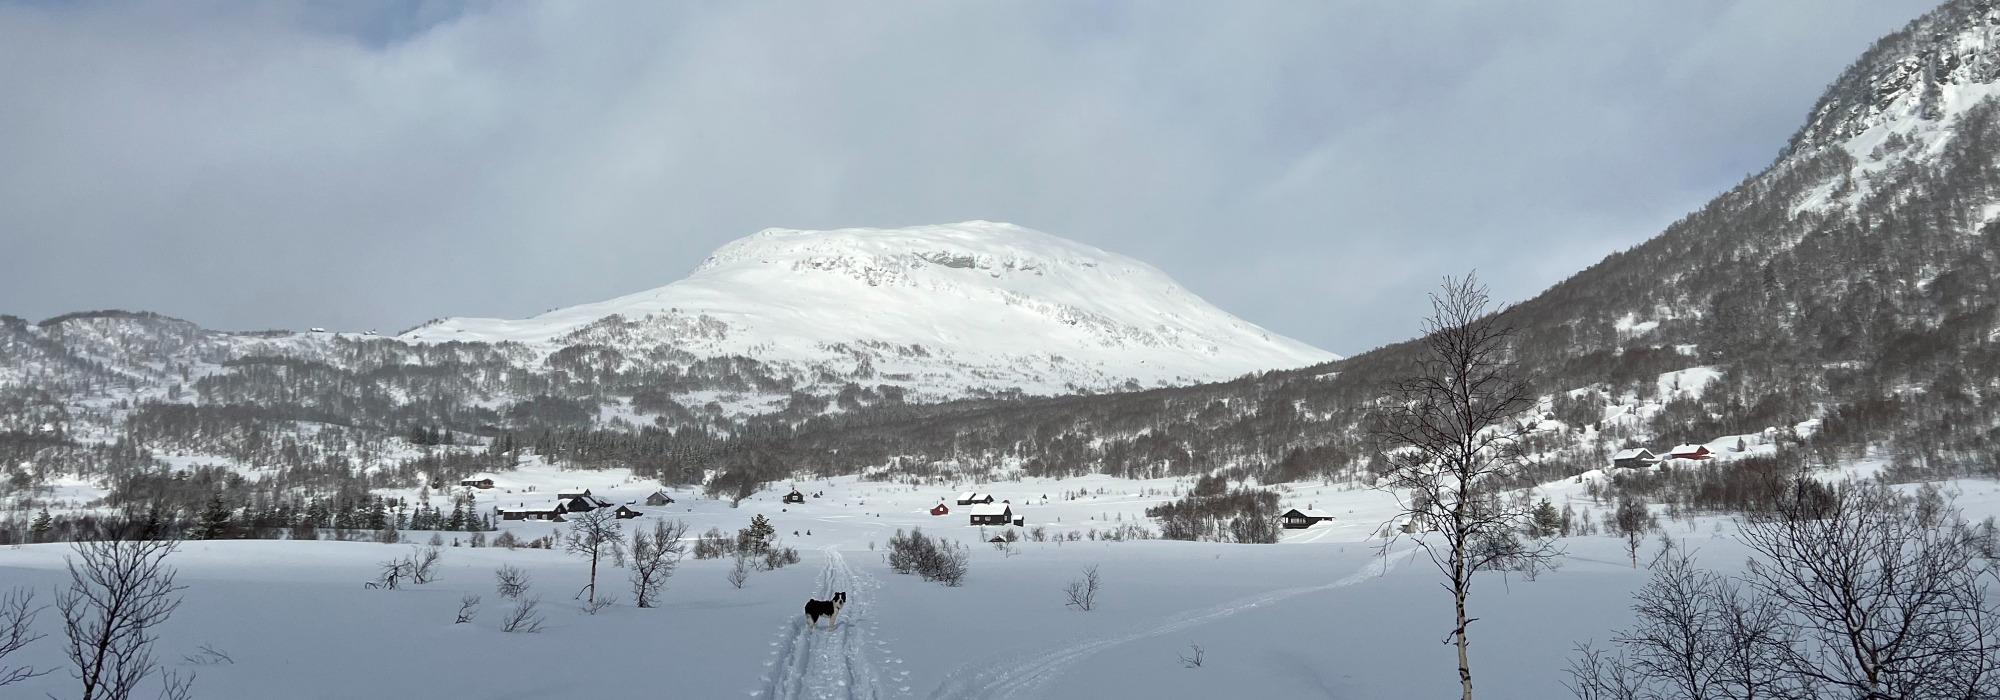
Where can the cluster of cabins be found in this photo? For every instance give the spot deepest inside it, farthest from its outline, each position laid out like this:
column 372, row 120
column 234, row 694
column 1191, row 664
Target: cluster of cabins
column 983, row 510
column 577, row 501
column 1639, row 457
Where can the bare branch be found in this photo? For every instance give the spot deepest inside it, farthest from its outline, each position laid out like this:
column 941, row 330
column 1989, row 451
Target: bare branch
column 120, row 590
column 1082, row 592
column 17, row 629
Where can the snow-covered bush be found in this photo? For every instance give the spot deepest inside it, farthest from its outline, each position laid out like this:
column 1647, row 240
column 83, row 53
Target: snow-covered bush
column 934, row 559
column 713, row 544
column 510, row 581
column 523, row 618
column 777, row 558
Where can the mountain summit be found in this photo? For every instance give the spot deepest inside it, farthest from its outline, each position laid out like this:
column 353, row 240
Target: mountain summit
column 940, row 308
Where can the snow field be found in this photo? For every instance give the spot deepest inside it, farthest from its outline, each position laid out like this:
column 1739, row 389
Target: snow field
column 1321, row 615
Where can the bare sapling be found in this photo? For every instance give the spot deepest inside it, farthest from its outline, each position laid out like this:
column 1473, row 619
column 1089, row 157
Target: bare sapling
column 1451, row 436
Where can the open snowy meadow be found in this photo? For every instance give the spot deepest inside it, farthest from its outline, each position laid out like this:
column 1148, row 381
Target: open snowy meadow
column 1324, row 613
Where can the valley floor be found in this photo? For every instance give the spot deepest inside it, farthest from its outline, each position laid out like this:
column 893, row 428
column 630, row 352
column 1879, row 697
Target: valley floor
column 1322, row 614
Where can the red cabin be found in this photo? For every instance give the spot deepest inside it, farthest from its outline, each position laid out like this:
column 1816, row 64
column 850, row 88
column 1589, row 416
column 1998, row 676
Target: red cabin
column 1690, row 452
column 939, row 509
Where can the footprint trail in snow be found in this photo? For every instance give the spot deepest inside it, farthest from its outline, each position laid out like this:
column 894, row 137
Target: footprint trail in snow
column 832, row 664
column 1023, row 676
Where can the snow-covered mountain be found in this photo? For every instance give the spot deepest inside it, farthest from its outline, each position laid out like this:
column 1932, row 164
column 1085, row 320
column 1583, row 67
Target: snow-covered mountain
column 1844, row 301
column 939, row 309
column 786, row 324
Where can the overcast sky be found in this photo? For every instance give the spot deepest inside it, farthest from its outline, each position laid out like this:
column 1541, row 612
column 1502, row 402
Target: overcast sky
column 1313, row 167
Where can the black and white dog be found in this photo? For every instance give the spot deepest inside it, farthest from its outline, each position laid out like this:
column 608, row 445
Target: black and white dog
column 829, row 609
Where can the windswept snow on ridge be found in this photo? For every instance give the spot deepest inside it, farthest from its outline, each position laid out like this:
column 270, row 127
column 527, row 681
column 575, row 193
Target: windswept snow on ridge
column 968, row 305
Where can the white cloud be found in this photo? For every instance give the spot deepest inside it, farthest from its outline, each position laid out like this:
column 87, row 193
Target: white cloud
column 1312, row 167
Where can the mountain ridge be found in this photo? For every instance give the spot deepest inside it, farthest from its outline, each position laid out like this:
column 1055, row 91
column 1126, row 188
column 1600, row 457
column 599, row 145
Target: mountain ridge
column 993, row 296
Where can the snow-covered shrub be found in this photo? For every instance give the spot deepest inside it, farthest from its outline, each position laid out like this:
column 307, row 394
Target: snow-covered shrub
column 779, row 557
column 423, row 564
column 739, row 571
column 510, row 581
column 934, row 559
column 1082, row 592
column 713, row 545
column 523, row 618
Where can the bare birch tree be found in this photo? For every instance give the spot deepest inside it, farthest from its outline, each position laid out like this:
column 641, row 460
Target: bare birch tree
column 1863, row 594
column 120, row 590
column 654, row 556
column 1451, row 440
column 595, row 534
column 1883, row 603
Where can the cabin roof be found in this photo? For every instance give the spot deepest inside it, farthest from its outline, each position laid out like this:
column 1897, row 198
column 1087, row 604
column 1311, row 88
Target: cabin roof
column 1688, row 449
column 991, row 509
column 1308, row 512
column 538, row 508
column 1634, row 453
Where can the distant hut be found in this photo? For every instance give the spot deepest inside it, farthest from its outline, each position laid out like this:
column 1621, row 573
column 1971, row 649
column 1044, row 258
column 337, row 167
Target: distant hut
column 939, row 509
column 1300, row 519
column 971, row 498
column 552, row 512
column 659, row 498
column 580, row 502
column 1694, row 452
column 625, row 513
column 992, row 514
column 795, row 497
column 1634, row 458
column 478, row 481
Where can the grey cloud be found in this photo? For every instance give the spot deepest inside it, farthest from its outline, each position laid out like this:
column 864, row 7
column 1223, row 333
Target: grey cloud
column 1313, row 167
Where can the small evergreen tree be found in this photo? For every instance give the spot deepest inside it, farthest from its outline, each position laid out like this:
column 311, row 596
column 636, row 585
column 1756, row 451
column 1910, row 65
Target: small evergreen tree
column 756, row 538
column 39, row 529
column 214, row 522
column 378, row 514
column 1545, row 521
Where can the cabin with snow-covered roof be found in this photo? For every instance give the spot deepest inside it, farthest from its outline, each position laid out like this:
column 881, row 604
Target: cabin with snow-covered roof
column 1302, row 518
column 580, row 503
column 659, row 498
column 552, row 512
column 481, row 480
column 992, row 514
column 970, row 497
column 1634, row 458
column 1690, row 452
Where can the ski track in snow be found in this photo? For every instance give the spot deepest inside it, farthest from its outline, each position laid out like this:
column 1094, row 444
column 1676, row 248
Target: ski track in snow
column 1022, row 676
column 833, row 664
